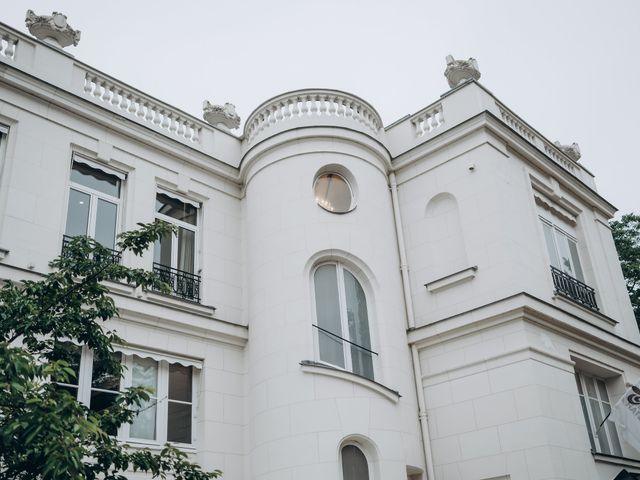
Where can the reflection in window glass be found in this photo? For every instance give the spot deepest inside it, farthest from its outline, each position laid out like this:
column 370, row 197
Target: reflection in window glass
column 78, row 213
column 357, row 320
column 333, row 193
column 95, row 179
column 180, row 404
column 145, row 374
column 354, row 464
column 106, row 223
column 174, row 208
column 328, row 315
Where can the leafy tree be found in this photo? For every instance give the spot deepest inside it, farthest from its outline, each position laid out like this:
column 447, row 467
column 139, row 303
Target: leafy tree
column 44, row 432
column 626, row 235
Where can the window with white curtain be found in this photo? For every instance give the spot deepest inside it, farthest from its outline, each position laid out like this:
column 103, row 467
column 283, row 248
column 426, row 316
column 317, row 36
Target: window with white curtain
column 342, row 320
column 354, row 464
column 168, row 415
column 179, row 249
column 94, row 201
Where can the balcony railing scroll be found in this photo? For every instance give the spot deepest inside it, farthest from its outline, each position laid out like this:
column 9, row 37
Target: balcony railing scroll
column 113, row 255
column 574, row 289
column 183, row 284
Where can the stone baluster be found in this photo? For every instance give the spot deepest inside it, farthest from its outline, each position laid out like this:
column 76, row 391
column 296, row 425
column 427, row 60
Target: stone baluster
column 87, row 84
column 165, row 119
column 149, row 112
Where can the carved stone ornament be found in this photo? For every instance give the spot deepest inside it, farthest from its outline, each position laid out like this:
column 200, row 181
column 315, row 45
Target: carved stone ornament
column 220, row 115
column 572, row 151
column 459, row 71
column 52, row 29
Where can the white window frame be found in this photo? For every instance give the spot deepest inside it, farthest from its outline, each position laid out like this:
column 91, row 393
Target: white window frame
column 557, row 231
column 185, row 225
column 95, row 195
column 162, row 395
column 342, row 303
column 596, row 432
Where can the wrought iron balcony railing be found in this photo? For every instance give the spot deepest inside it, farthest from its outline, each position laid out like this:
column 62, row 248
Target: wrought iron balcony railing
column 574, row 289
column 183, row 284
column 114, row 255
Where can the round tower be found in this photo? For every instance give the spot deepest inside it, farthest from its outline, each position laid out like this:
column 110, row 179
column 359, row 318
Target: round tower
column 331, row 385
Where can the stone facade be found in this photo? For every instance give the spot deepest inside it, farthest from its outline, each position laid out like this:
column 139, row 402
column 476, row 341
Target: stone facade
column 458, row 358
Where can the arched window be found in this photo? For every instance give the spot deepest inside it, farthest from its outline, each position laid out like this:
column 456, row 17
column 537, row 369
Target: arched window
column 342, row 320
column 354, row 464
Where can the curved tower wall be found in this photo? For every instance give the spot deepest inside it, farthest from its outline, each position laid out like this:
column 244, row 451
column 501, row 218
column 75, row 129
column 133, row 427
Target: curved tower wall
column 299, row 416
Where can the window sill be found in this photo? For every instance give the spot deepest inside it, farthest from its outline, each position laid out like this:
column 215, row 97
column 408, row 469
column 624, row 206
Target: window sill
column 451, row 279
column 157, row 447
column 568, row 301
column 616, row 460
column 177, row 303
column 310, row 366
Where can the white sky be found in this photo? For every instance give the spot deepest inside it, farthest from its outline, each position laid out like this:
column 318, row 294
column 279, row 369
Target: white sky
column 571, row 69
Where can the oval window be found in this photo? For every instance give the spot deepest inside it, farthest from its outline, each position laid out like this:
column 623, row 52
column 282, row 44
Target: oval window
column 333, row 193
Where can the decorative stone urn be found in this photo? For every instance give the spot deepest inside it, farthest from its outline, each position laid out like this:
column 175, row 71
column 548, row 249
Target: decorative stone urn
column 52, row 29
column 459, row 71
column 572, row 151
column 217, row 115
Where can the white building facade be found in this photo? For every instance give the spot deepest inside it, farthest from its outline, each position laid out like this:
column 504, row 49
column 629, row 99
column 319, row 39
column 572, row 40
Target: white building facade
column 439, row 298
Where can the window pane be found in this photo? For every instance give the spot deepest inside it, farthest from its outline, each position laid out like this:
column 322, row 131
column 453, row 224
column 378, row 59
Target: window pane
column 600, row 432
column 101, row 400
column 176, row 209
column 573, row 250
column 70, row 353
column 179, row 423
column 564, row 253
column 77, row 213
column 603, row 390
column 145, row 373
column 588, row 423
column 358, row 322
column 162, row 250
column 354, row 464
column 106, row 223
column 144, row 424
column 328, row 315
column 186, row 249
column 613, row 435
column 333, row 193
column 95, row 179
column 551, row 246
column 180, row 382
column 101, row 377
column 591, row 389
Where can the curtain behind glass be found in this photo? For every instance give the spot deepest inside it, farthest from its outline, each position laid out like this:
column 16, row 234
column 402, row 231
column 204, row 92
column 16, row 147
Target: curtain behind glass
column 328, row 315
column 145, row 374
column 357, row 319
column 354, row 464
column 186, row 249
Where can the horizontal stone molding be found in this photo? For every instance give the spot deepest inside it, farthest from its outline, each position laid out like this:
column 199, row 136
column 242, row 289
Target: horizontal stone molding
column 309, row 366
column 451, row 279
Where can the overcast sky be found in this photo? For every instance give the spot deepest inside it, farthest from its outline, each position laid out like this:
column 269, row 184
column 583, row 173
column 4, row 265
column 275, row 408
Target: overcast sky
column 571, row 69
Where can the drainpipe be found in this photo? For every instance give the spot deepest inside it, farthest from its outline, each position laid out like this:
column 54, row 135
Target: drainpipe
column 422, row 414
column 404, row 267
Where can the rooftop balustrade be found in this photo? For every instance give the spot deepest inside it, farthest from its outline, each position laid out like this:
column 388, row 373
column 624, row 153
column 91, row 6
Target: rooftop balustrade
column 312, row 107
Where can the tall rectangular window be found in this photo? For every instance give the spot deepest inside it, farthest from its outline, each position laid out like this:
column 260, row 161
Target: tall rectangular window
column 563, row 251
column 596, row 406
column 174, row 255
column 94, row 200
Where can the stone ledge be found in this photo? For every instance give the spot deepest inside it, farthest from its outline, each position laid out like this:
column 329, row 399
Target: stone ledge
column 616, row 460
column 310, row 366
column 452, row 279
